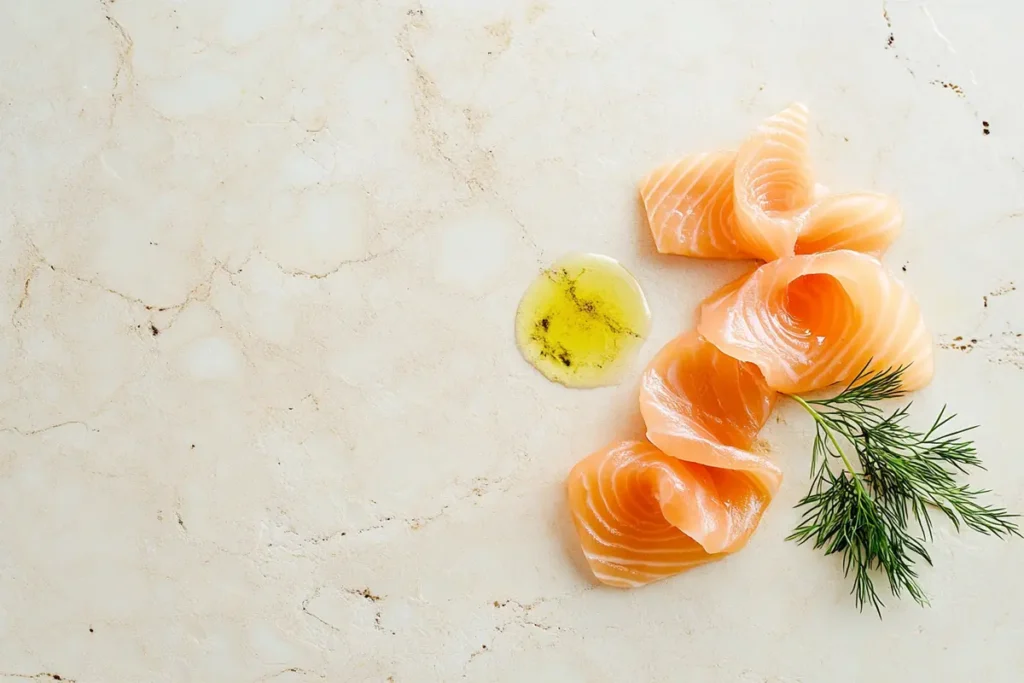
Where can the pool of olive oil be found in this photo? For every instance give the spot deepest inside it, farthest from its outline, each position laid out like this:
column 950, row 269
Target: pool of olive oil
column 582, row 320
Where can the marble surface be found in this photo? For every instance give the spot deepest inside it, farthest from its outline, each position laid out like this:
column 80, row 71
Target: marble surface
column 261, row 416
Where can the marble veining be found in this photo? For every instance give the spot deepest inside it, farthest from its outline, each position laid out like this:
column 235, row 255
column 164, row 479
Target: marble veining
column 262, row 417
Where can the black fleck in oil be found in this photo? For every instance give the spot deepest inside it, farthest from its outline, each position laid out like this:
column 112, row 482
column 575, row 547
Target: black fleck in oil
column 582, row 320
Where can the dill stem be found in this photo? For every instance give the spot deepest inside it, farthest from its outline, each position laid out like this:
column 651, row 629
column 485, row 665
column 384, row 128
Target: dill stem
column 832, row 437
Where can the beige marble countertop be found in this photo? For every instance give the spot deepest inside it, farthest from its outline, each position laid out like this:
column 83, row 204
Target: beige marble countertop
column 261, row 416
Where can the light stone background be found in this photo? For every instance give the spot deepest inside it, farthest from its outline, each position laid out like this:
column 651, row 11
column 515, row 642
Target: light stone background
column 262, row 416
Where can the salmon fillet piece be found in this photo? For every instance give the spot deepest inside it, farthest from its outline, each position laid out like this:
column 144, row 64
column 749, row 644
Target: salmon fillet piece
column 774, row 184
column 706, row 408
column 692, row 493
column 622, row 499
column 689, row 206
column 762, row 202
column 863, row 221
column 811, row 321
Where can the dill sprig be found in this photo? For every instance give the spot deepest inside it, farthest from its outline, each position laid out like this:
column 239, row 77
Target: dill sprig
column 878, row 514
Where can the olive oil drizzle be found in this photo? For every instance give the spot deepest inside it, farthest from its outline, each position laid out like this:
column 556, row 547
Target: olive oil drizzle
column 556, row 351
column 586, row 334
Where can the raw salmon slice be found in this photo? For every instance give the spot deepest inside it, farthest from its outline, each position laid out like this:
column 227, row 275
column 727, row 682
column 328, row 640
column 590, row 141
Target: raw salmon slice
column 627, row 501
column 705, row 408
column 689, row 206
column 811, row 321
column 645, row 510
column 761, row 202
column 864, row 221
column 774, row 185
